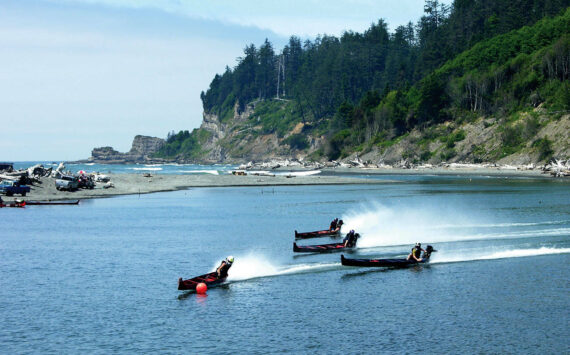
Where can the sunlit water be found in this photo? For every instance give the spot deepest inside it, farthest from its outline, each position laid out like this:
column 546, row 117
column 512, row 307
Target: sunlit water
column 101, row 277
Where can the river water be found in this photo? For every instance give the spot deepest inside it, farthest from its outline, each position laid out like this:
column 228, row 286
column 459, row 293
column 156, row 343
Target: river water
column 101, row 277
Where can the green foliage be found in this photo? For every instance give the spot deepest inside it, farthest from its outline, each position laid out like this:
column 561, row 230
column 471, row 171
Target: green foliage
column 544, row 147
column 447, row 154
column 453, row 138
column 275, row 116
column 425, row 155
column 297, row 141
column 560, row 98
column 512, row 139
column 184, row 144
column 531, row 127
column 336, row 144
column 479, row 153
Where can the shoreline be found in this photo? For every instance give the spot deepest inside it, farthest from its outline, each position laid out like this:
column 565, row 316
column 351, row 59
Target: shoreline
column 137, row 183
column 133, row 184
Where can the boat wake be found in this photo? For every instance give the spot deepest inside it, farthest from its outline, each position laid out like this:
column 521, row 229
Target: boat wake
column 252, row 267
column 443, row 257
column 380, row 226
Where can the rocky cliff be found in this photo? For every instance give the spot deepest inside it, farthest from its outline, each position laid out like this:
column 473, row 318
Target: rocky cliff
column 142, row 148
column 242, row 138
column 248, row 136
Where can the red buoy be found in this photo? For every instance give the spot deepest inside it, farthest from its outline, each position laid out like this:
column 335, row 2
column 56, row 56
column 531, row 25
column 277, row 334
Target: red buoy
column 201, row 288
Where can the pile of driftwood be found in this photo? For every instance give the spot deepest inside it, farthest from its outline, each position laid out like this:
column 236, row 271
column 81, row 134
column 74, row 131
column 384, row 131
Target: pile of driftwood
column 27, row 176
column 33, row 175
column 557, row 168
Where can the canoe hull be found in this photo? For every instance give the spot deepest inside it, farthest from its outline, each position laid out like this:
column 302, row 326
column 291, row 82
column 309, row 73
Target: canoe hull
column 51, row 203
column 317, row 234
column 398, row 263
column 323, row 248
column 210, row 279
column 13, row 204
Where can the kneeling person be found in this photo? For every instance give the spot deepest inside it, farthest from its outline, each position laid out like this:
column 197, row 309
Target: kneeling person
column 222, row 270
column 416, row 254
column 350, row 239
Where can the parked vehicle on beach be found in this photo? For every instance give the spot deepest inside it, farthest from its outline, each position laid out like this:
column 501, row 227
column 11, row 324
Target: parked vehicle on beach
column 86, row 182
column 67, row 182
column 11, row 188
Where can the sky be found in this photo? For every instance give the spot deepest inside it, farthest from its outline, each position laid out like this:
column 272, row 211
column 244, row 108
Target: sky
column 80, row 74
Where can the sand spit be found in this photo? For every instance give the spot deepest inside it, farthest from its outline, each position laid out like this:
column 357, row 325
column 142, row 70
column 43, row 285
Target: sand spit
column 131, row 184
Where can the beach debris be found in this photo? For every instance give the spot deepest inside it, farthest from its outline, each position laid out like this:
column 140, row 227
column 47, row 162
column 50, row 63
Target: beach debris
column 59, row 171
column 4, row 166
column 557, row 168
column 37, row 171
column 101, row 178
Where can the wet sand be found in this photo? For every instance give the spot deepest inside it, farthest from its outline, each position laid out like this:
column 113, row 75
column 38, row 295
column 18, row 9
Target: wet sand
column 128, row 184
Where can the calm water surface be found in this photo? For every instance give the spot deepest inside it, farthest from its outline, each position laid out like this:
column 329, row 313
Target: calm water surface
column 101, row 277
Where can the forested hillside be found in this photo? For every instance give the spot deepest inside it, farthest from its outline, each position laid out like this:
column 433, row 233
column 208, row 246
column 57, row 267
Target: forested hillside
column 331, row 97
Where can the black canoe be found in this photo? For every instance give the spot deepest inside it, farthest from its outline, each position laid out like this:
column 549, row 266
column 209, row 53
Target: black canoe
column 323, row 248
column 317, row 234
column 210, row 280
column 386, row 262
column 52, row 203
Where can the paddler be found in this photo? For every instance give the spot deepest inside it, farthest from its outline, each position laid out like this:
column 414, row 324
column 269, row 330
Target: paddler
column 332, row 228
column 416, row 253
column 350, row 239
column 222, row 270
column 339, row 225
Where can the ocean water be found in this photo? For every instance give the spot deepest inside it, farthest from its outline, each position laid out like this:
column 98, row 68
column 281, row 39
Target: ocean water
column 101, row 277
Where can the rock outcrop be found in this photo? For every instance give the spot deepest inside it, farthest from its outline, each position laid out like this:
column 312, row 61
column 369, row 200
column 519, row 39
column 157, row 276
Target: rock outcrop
column 142, row 149
column 242, row 139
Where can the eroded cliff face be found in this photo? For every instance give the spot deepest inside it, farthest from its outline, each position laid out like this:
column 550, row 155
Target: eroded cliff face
column 145, row 146
column 483, row 140
column 236, row 140
column 141, row 150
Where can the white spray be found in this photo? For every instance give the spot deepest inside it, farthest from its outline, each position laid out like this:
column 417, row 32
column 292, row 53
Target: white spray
column 255, row 266
column 449, row 257
column 379, row 225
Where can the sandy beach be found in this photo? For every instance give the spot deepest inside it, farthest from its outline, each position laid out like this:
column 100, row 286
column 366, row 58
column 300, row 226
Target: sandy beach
column 128, row 184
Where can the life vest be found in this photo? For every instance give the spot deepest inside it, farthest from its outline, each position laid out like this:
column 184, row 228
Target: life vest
column 417, row 252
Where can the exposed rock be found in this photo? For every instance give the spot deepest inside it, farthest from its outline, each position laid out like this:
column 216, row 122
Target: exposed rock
column 143, row 147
